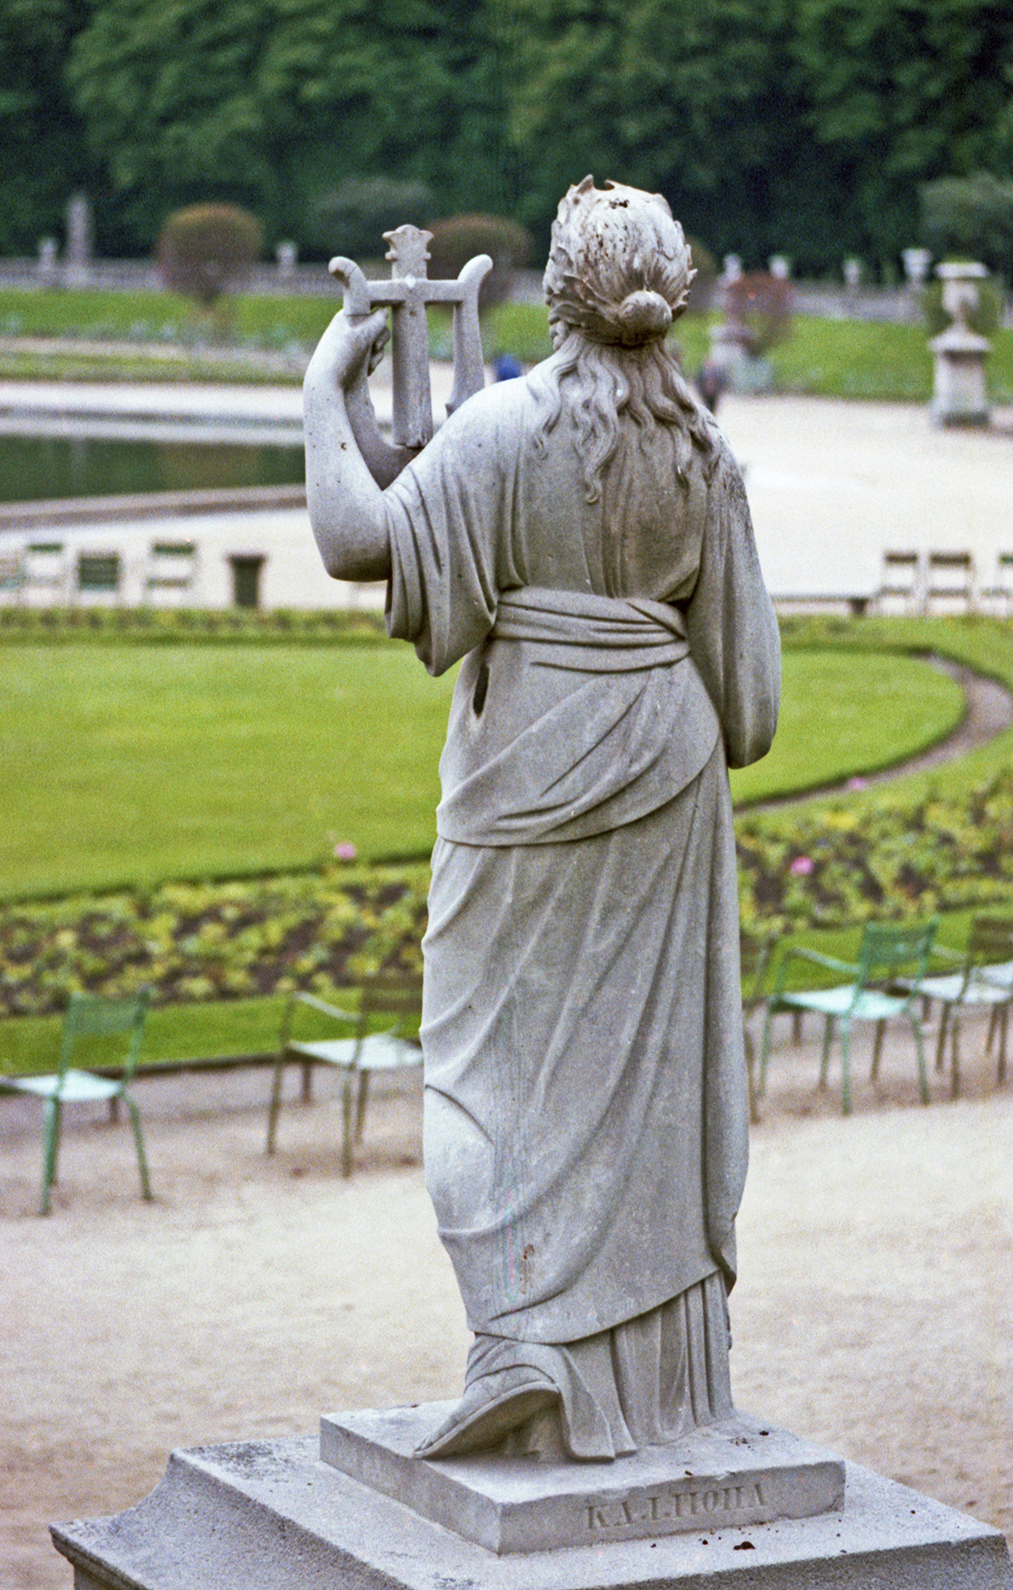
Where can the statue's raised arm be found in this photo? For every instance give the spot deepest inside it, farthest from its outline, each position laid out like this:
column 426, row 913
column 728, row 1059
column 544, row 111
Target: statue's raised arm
column 340, row 424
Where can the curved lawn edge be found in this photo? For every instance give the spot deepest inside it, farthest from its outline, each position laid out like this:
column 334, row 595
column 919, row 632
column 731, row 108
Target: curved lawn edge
column 987, row 712
column 981, row 645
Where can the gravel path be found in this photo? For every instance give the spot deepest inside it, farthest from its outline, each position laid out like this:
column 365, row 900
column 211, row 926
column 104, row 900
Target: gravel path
column 873, row 1311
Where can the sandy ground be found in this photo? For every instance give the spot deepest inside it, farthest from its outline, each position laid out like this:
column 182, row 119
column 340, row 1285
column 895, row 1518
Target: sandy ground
column 873, row 1312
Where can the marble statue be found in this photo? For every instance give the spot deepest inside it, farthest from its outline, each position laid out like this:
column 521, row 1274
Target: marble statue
column 579, row 540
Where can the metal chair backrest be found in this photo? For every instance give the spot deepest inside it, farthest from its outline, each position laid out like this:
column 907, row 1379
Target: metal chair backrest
column 96, row 1016
column 396, row 994
column 950, row 575
column 901, row 576
column 172, row 566
column 754, row 959
column 990, row 942
column 98, row 571
column 46, row 566
column 889, row 951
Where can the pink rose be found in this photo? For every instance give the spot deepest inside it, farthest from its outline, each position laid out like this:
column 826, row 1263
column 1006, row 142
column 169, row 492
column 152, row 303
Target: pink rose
column 802, row 866
column 345, row 851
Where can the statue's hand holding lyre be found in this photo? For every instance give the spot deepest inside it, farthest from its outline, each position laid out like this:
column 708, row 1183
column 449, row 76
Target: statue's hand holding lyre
column 349, row 350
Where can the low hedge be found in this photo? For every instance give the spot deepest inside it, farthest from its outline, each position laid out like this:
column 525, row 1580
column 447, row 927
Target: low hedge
column 151, row 624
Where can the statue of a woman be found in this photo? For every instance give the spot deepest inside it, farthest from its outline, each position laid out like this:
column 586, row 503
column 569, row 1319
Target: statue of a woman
column 580, row 538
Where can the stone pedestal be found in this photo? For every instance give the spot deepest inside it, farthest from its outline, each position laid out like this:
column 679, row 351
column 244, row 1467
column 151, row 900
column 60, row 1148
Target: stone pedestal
column 271, row 1515
column 959, row 396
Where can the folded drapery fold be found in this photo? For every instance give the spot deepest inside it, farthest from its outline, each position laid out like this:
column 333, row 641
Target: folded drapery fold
column 590, row 715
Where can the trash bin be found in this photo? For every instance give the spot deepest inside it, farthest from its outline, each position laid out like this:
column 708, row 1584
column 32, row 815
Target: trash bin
column 246, row 567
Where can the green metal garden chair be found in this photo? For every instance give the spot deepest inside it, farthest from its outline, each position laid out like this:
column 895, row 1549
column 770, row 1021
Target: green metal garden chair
column 361, row 1051
column 88, row 1016
column 984, row 979
column 884, row 983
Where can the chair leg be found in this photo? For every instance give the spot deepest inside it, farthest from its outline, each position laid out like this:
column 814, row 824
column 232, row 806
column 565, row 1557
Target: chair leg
column 923, row 1080
column 765, row 1051
column 114, row 1109
column 796, row 1027
column 275, row 1106
column 51, row 1146
column 828, row 1034
column 1000, row 1075
column 845, row 1066
column 993, row 1022
column 307, row 1081
column 142, row 1161
column 877, row 1050
column 346, row 1112
column 941, row 1040
column 360, row 1106
column 955, row 1055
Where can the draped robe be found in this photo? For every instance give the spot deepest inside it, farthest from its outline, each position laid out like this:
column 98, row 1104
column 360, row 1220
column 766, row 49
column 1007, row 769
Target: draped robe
column 585, row 1102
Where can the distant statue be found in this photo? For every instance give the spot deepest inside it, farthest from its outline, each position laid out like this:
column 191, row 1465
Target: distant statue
column 579, row 539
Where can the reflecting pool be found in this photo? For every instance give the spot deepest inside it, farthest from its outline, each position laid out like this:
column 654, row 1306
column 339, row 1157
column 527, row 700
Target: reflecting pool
column 34, row 468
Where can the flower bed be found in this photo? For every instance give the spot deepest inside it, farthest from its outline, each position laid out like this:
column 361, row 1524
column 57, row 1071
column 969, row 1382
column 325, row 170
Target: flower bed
column 836, row 866
column 814, row 868
column 213, row 941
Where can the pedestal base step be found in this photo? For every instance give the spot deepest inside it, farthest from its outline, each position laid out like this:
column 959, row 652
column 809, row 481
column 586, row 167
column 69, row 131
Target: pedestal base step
column 734, row 1473
column 268, row 1515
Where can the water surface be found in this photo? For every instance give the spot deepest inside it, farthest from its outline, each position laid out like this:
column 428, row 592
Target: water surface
column 38, row 468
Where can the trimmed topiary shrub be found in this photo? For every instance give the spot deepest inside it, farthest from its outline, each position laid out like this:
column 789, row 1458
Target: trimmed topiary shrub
column 459, row 239
column 207, row 250
column 353, row 219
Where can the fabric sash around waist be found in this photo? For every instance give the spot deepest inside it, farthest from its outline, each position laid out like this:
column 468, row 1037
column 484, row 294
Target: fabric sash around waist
column 579, row 631
column 581, row 714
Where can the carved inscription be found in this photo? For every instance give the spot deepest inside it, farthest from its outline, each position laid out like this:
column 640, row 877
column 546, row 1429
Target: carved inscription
column 705, row 1504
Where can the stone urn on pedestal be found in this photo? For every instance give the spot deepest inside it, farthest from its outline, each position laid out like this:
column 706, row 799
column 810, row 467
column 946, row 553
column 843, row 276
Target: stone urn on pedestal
column 959, row 396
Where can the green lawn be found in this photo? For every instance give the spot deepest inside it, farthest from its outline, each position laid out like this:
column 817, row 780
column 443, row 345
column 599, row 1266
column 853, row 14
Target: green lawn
column 133, row 763
column 836, row 722
column 127, row 764
column 822, row 357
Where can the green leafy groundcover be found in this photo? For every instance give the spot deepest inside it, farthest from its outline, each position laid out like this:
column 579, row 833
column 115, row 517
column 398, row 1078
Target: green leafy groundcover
column 831, row 867
column 214, row 941
column 837, row 866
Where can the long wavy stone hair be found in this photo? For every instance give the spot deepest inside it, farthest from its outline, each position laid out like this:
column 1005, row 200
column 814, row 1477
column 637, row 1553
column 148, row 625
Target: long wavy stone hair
column 619, row 273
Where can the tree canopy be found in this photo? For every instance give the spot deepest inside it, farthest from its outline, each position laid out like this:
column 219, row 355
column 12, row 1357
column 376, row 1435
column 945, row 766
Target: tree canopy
column 800, row 126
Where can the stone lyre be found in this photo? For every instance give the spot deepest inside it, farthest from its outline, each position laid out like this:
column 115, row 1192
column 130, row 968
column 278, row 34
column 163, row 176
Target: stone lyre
column 408, row 293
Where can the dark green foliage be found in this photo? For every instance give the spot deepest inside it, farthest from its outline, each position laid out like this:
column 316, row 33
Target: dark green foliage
column 970, row 218
column 353, row 219
column 43, row 156
column 207, row 250
column 799, row 126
